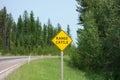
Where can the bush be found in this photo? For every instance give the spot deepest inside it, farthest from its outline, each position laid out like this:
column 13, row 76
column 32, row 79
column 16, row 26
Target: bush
column 52, row 50
column 20, row 51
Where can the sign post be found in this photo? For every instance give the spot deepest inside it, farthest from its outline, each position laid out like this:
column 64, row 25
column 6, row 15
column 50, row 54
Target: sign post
column 62, row 40
column 62, row 70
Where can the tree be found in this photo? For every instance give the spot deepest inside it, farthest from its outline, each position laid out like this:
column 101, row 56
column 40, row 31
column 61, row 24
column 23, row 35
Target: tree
column 68, row 30
column 38, row 33
column 3, row 25
column 58, row 27
column 50, row 32
column 25, row 36
column 14, row 35
column 98, row 42
column 0, row 29
column 19, row 33
column 9, row 25
column 25, row 29
column 45, row 34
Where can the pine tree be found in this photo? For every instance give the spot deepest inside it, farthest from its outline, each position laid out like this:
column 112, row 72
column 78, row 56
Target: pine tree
column 50, row 32
column 3, row 25
column 38, row 33
column 98, row 41
column 32, row 29
column 25, row 29
column 14, row 35
column 0, row 29
column 45, row 34
column 68, row 30
column 8, row 30
column 19, row 33
column 58, row 27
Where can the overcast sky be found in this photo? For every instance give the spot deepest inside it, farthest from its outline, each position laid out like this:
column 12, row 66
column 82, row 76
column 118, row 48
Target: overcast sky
column 58, row 11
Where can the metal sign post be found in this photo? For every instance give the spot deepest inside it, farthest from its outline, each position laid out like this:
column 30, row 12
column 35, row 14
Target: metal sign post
column 62, row 70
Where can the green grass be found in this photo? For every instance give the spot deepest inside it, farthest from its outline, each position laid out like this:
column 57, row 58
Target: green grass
column 49, row 69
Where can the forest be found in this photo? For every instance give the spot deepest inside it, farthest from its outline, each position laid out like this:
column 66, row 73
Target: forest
column 27, row 35
column 99, row 39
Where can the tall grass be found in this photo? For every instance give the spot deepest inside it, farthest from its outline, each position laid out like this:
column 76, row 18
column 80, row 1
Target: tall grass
column 49, row 69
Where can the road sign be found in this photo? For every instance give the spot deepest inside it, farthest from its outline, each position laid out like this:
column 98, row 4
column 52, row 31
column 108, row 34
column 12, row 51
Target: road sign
column 62, row 40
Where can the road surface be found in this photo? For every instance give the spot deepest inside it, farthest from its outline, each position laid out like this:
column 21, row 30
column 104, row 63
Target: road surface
column 8, row 64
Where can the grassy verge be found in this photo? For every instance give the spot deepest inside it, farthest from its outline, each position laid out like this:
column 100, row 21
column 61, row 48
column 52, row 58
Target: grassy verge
column 49, row 69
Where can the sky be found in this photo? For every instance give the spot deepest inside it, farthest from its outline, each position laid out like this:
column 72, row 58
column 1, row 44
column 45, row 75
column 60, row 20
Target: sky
column 58, row 11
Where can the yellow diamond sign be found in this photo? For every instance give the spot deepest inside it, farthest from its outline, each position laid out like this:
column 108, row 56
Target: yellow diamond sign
column 62, row 40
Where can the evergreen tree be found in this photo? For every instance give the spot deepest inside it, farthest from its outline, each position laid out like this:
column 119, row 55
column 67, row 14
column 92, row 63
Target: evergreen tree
column 0, row 29
column 98, row 43
column 38, row 33
column 45, row 34
column 14, row 35
column 8, row 30
column 68, row 30
column 50, row 32
column 27, row 35
column 25, row 29
column 3, row 25
column 58, row 27
column 32, row 29
column 20, row 31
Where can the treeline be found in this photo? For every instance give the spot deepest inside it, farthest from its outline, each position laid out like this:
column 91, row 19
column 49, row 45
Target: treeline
column 27, row 35
column 99, row 40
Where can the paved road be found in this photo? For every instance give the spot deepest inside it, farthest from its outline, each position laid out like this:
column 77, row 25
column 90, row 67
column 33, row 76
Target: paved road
column 8, row 64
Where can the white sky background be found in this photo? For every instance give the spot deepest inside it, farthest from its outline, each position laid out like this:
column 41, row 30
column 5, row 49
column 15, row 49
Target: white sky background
column 58, row 11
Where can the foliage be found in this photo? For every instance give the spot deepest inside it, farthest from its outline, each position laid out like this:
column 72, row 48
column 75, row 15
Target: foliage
column 6, row 21
column 27, row 35
column 98, row 42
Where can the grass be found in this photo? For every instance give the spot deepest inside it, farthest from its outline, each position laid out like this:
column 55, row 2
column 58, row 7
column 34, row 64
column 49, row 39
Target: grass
column 49, row 69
